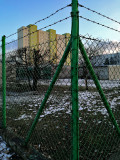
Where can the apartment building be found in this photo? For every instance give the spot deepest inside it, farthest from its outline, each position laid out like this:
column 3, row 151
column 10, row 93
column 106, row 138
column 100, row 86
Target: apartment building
column 23, row 38
column 50, row 44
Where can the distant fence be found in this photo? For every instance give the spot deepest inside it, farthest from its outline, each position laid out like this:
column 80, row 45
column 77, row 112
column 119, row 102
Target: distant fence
column 43, row 72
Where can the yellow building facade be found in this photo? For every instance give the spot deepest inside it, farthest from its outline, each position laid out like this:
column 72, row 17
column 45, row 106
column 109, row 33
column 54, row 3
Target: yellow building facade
column 51, row 45
column 67, row 38
column 33, row 41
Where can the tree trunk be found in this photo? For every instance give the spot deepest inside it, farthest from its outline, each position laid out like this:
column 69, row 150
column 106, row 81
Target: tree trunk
column 28, row 77
column 27, row 69
column 86, row 82
column 35, row 72
column 35, row 79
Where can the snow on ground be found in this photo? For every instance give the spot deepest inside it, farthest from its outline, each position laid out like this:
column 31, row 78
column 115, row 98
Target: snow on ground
column 4, row 150
column 81, row 82
column 32, row 102
column 88, row 100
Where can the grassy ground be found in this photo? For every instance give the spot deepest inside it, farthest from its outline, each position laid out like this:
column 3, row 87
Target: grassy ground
column 52, row 135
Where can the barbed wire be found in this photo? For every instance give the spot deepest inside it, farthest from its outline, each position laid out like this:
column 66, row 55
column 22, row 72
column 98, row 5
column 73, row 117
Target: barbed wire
column 65, row 19
column 40, row 44
column 42, row 19
column 61, row 21
column 11, row 42
column 56, row 22
column 87, row 37
column 90, row 38
column 99, row 24
column 39, row 29
column 99, row 14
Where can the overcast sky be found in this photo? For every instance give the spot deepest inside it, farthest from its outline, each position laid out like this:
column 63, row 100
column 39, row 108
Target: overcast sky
column 17, row 13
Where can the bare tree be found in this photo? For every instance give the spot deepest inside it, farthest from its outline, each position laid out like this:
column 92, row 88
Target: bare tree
column 92, row 51
column 37, row 59
column 24, row 63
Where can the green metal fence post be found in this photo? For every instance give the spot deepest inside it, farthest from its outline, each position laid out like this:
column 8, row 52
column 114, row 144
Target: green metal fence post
column 95, row 79
column 3, row 84
column 64, row 57
column 74, row 79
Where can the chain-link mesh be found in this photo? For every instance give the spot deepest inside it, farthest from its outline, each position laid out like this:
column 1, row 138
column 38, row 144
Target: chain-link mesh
column 29, row 72
column 98, row 136
column 30, row 68
column 0, row 84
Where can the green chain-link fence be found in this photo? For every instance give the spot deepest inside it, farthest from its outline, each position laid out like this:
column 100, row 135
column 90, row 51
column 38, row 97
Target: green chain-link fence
column 52, row 136
column 98, row 136
column 41, row 80
column 27, row 83
column 1, row 91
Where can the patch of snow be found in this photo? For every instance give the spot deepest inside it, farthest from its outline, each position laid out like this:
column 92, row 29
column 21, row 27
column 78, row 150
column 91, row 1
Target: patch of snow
column 81, row 82
column 24, row 116
column 4, row 150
